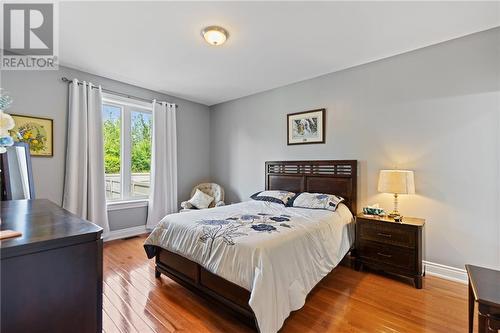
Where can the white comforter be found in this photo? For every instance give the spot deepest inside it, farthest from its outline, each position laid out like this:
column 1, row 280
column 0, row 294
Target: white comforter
column 277, row 253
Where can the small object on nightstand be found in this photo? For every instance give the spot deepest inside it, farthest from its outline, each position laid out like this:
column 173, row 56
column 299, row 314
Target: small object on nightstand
column 390, row 246
column 373, row 210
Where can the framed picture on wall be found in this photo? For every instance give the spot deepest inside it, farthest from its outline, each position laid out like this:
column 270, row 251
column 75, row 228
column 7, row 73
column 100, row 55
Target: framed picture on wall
column 36, row 132
column 306, row 127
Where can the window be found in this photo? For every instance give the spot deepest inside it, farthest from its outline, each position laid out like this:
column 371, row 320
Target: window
column 127, row 127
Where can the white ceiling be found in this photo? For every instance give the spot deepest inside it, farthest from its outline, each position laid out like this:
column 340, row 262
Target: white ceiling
column 157, row 45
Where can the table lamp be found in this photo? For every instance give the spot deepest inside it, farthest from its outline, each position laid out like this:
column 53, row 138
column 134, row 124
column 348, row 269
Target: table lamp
column 396, row 182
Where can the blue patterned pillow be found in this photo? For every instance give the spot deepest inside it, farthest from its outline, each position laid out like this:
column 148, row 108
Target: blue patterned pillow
column 316, row 201
column 281, row 197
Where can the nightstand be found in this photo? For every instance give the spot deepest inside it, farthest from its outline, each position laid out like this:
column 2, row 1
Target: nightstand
column 392, row 247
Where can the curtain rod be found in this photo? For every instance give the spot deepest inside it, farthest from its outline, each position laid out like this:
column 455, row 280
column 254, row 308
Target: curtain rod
column 65, row 79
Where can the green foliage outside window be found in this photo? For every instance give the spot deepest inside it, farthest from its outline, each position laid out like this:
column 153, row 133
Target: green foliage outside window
column 141, row 144
column 111, row 128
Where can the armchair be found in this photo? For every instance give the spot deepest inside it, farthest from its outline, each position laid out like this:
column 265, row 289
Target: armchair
column 214, row 190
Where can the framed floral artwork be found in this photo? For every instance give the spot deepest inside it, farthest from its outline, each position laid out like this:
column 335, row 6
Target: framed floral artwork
column 35, row 131
column 306, row 127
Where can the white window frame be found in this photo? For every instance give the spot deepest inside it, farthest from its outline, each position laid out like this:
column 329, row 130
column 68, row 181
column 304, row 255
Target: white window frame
column 127, row 106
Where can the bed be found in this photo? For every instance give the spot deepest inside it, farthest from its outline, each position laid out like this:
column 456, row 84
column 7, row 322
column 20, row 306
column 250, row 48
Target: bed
column 257, row 258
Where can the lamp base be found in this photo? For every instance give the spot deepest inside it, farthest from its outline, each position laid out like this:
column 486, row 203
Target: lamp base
column 394, row 214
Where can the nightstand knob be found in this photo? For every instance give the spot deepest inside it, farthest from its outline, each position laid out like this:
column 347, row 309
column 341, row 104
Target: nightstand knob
column 384, row 235
column 384, row 255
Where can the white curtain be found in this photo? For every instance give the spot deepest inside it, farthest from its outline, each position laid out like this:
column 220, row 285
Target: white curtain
column 84, row 187
column 163, row 197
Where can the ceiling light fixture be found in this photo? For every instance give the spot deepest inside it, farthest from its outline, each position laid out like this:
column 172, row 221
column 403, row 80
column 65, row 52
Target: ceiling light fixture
column 215, row 35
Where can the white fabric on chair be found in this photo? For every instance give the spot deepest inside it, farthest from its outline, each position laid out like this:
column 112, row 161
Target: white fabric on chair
column 201, row 200
column 84, row 187
column 163, row 197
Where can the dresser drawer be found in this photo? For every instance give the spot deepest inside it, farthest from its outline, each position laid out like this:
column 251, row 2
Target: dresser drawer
column 395, row 256
column 392, row 234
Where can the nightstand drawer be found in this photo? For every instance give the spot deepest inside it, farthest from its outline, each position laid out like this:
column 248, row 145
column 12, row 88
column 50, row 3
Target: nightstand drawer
column 390, row 246
column 392, row 234
column 388, row 255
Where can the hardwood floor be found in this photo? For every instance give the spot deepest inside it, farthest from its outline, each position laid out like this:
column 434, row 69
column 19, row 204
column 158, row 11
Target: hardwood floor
column 345, row 301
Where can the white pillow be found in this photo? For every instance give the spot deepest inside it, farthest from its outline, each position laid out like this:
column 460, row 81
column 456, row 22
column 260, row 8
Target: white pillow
column 281, row 197
column 316, row 201
column 201, row 200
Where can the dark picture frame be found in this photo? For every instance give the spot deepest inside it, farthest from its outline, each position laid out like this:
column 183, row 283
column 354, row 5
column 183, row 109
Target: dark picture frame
column 306, row 127
column 21, row 120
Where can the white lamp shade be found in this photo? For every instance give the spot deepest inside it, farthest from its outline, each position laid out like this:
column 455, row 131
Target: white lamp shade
column 396, row 181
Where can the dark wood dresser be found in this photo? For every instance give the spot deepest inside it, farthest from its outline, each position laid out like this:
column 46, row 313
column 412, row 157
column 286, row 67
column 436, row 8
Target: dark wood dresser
column 390, row 246
column 51, row 276
column 484, row 288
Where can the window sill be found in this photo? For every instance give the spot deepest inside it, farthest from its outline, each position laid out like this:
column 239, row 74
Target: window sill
column 126, row 204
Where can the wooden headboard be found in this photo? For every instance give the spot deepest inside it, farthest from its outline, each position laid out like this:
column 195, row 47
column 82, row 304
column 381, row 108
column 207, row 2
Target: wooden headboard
column 331, row 177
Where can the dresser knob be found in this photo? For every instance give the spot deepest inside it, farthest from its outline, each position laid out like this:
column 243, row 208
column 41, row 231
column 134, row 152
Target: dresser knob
column 384, row 255
column 384, row 235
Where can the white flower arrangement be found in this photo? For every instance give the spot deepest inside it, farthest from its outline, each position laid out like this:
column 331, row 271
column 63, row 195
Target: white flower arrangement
column 6, row 122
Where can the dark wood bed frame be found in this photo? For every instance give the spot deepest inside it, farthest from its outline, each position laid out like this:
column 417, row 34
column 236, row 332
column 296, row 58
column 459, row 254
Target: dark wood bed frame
column 332, row 177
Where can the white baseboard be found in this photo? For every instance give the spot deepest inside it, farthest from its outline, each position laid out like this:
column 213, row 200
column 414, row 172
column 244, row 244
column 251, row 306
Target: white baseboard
column 124, row 233
column 445, row 272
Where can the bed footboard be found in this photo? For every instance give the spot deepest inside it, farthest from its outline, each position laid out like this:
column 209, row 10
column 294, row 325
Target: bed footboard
column 206, row 284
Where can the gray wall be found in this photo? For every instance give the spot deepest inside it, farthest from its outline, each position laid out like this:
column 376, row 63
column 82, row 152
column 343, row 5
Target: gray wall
column 435, row 111
column 42, row 93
